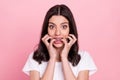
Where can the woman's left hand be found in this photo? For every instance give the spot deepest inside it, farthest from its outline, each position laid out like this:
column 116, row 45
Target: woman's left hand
column 67, row 45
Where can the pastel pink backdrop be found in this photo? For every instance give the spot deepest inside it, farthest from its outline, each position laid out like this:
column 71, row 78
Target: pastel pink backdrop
column 98, row 23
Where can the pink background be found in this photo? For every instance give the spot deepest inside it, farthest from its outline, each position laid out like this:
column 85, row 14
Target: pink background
column 98, row 24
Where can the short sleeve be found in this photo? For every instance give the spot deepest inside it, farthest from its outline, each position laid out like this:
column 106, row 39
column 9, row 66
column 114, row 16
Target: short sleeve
column 86, row 63
column 30, row 64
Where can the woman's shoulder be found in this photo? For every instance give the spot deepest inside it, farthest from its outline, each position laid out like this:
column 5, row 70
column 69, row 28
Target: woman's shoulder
column 86, row 62
column 83, row 53
column 31, row 54
column 32, row 64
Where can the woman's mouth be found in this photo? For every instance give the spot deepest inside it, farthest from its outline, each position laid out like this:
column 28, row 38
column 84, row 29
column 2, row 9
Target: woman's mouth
column 58, row 41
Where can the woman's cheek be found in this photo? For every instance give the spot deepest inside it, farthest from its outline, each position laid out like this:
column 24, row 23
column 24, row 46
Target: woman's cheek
column 66, row 32
column 51, row 33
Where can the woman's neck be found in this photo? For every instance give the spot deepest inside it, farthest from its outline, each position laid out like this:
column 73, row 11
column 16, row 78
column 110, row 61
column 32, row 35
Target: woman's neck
column 58, row 54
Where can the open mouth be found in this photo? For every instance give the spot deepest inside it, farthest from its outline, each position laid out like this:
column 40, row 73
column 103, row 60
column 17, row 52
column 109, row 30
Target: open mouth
column 58, row 41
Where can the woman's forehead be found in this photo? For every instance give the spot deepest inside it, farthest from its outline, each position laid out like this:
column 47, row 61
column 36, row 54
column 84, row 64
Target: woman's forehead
column 58, row 19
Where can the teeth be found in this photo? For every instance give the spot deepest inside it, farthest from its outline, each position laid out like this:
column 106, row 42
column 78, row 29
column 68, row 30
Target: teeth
column 58, row 39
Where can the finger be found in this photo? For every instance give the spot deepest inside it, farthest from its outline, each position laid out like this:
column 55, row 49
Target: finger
column 45, row 39
column 51, row 42
column 74, row 38
column 64, row 41
column 71, row 40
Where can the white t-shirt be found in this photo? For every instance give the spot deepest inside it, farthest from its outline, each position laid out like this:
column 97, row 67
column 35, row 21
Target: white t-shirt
column 86, row 63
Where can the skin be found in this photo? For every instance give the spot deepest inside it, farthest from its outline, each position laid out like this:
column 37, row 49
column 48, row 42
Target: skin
column 58, row 48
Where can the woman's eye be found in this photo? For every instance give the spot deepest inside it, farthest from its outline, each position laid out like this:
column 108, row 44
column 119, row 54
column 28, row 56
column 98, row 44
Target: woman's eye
column 64, row 26
column 51, row 26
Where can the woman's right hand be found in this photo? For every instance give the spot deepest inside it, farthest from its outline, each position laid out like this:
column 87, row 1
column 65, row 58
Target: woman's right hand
column 51, row 50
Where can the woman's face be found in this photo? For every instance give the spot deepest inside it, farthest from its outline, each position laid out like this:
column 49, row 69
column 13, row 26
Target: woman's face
column 58, row 28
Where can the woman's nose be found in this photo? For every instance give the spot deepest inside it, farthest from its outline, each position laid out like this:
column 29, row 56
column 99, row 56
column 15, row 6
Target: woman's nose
column 57, row 32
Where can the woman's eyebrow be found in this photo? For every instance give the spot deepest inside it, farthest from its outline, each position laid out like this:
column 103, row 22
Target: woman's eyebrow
column 51, row 23
column 64, row 23
column 61, row 23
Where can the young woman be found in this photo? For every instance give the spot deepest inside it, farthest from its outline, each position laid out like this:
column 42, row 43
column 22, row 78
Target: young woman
column 58, row 56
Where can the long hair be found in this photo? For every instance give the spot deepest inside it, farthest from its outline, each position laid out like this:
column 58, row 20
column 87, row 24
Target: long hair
column 41, row 53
